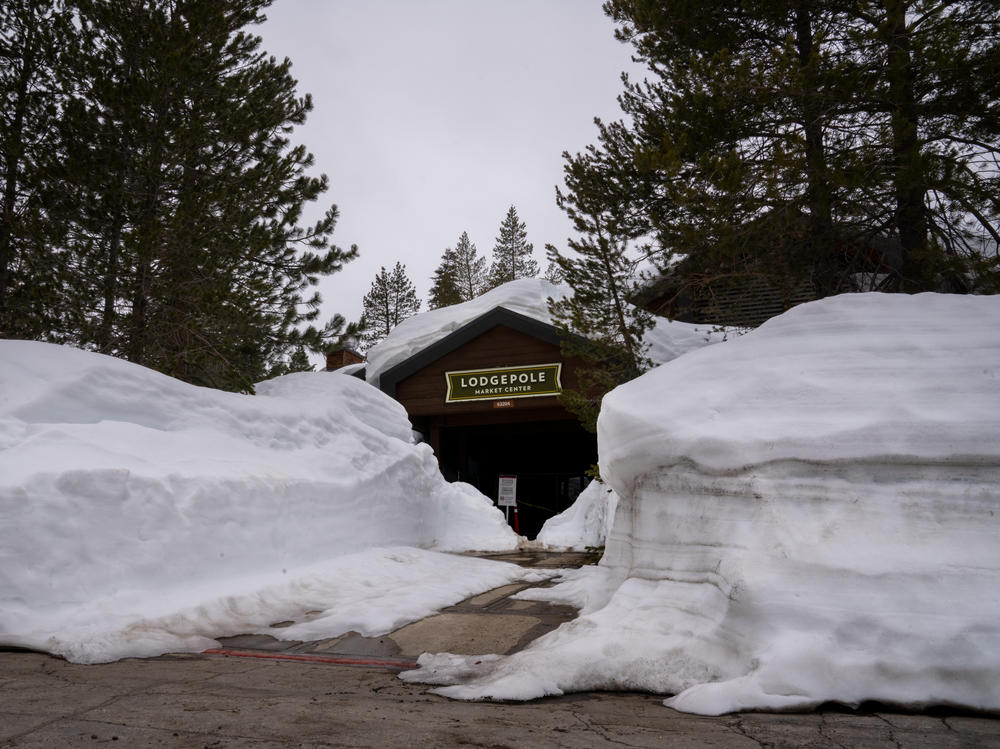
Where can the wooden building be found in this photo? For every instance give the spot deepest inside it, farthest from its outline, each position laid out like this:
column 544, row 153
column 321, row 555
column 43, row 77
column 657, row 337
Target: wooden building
column 485, row 398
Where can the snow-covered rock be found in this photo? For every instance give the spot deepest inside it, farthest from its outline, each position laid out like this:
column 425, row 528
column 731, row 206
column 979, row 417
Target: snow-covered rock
column 585, row 523
column 808, row 513
column 126, row 494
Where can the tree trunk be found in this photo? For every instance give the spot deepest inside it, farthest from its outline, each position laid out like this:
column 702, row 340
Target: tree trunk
column 14, row 153
column 105, row 344
column 147, row 245
column 909, row 184
column 825, row 271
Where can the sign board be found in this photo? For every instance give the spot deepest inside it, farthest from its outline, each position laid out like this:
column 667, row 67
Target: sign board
column 505, row 383
column 507, row 494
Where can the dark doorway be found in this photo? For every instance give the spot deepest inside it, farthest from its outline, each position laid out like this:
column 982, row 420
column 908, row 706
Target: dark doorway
column 549, row 459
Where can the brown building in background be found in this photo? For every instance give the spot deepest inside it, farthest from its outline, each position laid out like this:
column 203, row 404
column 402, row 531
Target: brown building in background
column 485, row 398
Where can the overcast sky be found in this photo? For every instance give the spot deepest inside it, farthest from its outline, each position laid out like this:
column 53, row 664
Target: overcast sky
column 433, row 117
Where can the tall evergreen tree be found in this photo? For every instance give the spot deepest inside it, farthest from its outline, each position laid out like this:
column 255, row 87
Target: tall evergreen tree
column 782, row 139
column 598, row 325
column 512, row 252
column 444, row 288
column 732, row 161
column 553, row 273
column 390, row 300
column 936, row 102
column 299, row 361
column 187, row 255
column 33, row 36
column 468, row 269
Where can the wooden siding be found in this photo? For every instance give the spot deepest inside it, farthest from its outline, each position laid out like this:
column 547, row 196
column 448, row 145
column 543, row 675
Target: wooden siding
column 423, row 393
column 748, row 304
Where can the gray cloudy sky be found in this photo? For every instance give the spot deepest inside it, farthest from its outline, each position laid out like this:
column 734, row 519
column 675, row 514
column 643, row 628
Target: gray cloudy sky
column 432, row 117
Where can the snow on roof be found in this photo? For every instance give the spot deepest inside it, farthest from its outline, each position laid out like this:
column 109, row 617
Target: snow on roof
column 526, row 295
column 529, row 297
column 349, row 369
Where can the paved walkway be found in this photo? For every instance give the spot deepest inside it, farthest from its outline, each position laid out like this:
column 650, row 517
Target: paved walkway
column 343, row 692
column 487, row 623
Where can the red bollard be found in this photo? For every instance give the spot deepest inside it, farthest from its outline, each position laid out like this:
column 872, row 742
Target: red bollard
column 517, row 525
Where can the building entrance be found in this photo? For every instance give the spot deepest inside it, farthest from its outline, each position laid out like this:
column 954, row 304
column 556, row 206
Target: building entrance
column 485, row 396
column 549, row 458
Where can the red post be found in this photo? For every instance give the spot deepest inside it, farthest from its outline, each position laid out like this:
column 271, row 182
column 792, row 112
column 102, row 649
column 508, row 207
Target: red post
column 517, row 525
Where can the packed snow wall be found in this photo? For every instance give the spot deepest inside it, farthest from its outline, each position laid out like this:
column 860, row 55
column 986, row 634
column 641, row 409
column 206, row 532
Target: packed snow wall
column 122, row 489
column 808, row 513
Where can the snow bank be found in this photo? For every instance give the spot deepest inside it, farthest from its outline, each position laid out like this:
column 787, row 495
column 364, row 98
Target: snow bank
column 583, row 524
column 529, row 297
column 121, row 487
column 808, row 513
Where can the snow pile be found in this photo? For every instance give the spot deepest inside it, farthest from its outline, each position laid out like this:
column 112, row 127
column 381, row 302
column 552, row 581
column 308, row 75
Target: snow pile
column 808, row 513
column 529, row 297
column 125, row 493
column 585, row 523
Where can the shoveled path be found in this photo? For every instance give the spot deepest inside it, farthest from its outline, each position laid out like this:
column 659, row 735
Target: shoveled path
column 266, row 698
column 490, row 622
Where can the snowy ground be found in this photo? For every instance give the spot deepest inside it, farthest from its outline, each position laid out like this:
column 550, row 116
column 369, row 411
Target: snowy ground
column 139, row 514
column 808, row 513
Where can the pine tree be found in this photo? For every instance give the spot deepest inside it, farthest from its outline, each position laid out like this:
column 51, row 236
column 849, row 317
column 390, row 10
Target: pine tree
column 187, row 254
column 936, row 104
column 782, row 140
column 553, row 273
column 734, row 128
column 33, row 36
column 390, row 300
column 468, row 269
column 598, row 326
column 444, row 288
column 512, row 252
column 299, row 361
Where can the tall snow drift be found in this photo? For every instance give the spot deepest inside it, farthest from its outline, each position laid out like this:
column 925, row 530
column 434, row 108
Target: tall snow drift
column 122, row 485
column 808, row 513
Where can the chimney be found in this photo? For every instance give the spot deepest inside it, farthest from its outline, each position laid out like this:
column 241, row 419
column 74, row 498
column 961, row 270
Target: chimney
column 341, row 358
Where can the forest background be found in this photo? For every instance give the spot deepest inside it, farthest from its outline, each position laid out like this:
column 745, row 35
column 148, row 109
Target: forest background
column 153, row 200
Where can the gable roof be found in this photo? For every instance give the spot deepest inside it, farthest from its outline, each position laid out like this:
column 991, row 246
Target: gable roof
column 473, row 329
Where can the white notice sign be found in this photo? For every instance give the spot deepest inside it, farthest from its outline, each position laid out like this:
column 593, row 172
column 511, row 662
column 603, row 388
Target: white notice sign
column 507, row 496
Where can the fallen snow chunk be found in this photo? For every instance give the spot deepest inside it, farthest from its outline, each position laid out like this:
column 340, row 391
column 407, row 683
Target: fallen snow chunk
column 584, row 524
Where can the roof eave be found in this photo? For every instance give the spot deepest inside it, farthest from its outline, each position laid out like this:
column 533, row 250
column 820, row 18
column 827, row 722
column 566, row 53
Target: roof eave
column 495, row 317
